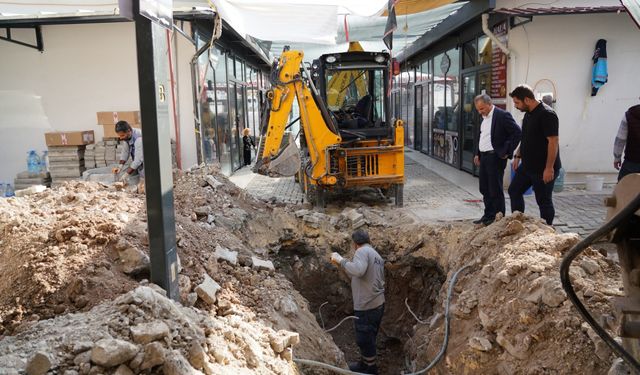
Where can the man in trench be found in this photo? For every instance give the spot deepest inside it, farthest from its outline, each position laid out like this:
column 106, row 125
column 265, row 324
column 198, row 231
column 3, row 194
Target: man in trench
column 366, row 271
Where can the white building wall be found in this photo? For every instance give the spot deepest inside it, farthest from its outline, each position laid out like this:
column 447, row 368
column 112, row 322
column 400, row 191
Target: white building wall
column 83, row 69
column 559, row 48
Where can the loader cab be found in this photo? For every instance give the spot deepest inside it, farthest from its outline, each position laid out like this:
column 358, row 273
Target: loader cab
column 354, row 87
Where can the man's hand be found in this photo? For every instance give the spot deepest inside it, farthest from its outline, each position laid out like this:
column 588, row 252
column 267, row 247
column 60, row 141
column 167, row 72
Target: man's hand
column 547, row 175
column 336, row 258
column 476, row 160
column 617, row 164
column 115, row 170
column 515, row 164
column 130, row 171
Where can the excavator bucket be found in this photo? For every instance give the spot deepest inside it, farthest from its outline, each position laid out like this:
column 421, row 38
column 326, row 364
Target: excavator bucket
column 285, row 164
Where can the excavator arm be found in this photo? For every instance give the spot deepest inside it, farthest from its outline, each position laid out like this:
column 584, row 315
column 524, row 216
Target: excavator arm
column 279, row 156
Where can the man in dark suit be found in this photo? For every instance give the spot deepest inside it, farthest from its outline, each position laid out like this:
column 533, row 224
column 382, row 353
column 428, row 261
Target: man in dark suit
column 499, row 136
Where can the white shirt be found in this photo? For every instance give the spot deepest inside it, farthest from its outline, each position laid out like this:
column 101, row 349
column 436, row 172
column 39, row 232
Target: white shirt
column 485, row 132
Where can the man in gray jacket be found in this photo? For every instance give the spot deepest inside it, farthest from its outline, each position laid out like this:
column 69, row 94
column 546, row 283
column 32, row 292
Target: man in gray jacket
column 366, row 271
column 132, row 139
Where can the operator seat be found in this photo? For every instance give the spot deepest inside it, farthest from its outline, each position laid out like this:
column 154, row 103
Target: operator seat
column 363, row 111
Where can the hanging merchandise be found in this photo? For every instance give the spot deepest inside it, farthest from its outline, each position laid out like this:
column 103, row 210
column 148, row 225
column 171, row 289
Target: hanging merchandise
column 600, row 75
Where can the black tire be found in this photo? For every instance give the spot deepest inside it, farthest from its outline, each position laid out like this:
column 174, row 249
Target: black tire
column 399, row 193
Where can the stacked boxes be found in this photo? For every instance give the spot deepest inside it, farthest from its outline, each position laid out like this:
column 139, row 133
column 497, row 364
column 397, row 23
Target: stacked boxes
column 90, row 156
column 108, row 120
column 65, row 163
column 24, row 180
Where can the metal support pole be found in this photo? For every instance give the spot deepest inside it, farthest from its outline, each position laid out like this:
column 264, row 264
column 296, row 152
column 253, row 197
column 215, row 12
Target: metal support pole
column 154, row 88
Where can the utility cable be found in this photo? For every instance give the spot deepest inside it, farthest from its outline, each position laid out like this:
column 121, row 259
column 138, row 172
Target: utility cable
column 435, row 361
column 616, row 221
column 406, row 303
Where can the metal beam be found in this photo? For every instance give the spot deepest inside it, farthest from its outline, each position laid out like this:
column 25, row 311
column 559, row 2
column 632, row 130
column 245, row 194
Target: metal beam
column 154, row 89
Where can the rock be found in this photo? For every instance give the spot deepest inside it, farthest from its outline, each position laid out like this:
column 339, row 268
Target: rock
column 154, row 355
column 513, row 227
column 301, row 213
column 197, row 356
column 287, row 354
column 287, row 305
column 589, row 265
column 147, row 332
column 480, row 343
column 81, row 346
column 211, row 181
column 123, row 370
column 82, row 358
column 260, row 264
column 504, row 276
column 176, row 364
column 222, row 253
column 39, row 364
column 202, row 211
column 133, row 261
column 619, row 367
column 518, row 351
column 487, row 323
column 553, row 294
column 283, row 339
column 96, row 370
column 486, row 271
column 112, row 352
column 355, row 219
column 252, row 353
column 192, row 298
column 207, row 290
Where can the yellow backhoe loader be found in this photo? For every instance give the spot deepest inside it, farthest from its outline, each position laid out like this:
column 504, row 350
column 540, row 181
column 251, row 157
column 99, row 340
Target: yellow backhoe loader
column 347, row 138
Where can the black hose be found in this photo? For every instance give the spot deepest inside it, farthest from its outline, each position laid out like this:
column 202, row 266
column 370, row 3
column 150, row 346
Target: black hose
column 624, row 214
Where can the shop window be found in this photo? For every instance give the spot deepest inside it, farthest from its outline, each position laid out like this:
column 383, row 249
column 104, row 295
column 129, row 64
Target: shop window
column 469, row 54
column 452, row 89
column 484, row 50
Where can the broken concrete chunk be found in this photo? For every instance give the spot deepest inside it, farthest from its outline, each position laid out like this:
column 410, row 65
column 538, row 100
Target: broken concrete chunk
column 176, row 364
column 133, row 261
column 197, row 356
column 287, row 305
column 207, row 290
column 147, row 332
column 203, row 211
column 513, row 227
column 283, row 339
column 589, row 265
column 154, row 355
column 222, row 253
column 123, row 370
column 480, row 343
column 112, row 352
column 301, row 213
column 213, row 182
column 260, row 264
column 39, row 364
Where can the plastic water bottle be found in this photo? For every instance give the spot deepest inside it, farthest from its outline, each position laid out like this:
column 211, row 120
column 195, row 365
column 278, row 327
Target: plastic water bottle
column 33, row 163
column 9, row 191
column 1, row 190
column 43, row 161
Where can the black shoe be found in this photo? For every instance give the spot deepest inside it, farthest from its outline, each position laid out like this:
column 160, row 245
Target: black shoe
column 487, row 222
column 480, row 221
column 363, row 368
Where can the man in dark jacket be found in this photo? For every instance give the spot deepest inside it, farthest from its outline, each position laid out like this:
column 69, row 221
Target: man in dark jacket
column 499, row 136
column 628, row 140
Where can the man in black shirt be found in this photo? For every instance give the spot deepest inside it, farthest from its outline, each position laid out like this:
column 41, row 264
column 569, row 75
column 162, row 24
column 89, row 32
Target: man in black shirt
column 538, row 151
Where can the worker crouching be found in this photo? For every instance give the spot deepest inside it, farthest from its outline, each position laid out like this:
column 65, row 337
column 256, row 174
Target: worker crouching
column 132, row 139
column 366, row 271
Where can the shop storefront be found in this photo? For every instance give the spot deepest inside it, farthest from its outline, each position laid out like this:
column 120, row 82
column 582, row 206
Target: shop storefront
column 230, row 87
column 434, row 96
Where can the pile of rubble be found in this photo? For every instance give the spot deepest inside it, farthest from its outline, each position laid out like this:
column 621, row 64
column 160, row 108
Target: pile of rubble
column 511, row 315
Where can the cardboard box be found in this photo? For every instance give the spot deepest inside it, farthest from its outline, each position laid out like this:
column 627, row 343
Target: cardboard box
column 78, row 138
column 111, row 118
column 110, row 130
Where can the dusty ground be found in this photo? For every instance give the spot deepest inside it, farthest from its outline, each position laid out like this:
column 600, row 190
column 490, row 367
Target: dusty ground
column 74, row 266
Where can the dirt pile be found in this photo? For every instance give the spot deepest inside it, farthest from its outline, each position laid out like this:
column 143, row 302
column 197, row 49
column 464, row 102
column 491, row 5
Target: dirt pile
column 510, row 313
column 80, row 246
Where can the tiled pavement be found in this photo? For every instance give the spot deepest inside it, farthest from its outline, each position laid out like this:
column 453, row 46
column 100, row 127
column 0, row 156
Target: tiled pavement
column 431, row 197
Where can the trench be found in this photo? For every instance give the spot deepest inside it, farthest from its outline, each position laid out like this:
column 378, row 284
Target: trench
column 328, row 291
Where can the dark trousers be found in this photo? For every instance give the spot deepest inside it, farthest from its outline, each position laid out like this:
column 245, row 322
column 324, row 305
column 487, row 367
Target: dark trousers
column 628, row 167
column 522, row 181
column 367, row 326
column 247, row 156
column 491, row 187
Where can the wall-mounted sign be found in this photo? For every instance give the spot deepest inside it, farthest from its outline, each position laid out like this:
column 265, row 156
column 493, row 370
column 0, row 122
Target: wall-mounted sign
column 499, row 63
